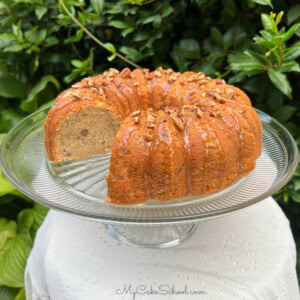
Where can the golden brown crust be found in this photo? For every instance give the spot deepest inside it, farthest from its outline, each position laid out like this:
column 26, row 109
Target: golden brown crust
column 181, row 134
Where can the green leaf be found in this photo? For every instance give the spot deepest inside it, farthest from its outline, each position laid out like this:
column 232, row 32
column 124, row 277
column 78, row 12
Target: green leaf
column 8, row 119
column 280, row 81
column 6, row 39
column 30, row 104
column 178, row 58
column 292, row 52
column 6, row 187
column 17, row 31
column 147, row 20
column 21, row 295
column 216, row 36
column 278, row 18
column 297, row 173
column 7, row 293
column 267, row 22
column 289, row 66
column 47, row 104
column 190, row 49
column 40, row 213
column 51, row 41
column 229, row 8
column 10, row 87
column 263, row 2
column 237, row 77
column 167, row 11
column 76, row 63
column 98, row 6
column 110, row 47
column 125, row 32
column 293, row 14
column 40, row 11
column 243, row 62
column 284, row 113
column 286, row 36
column 275, row 100
column 111, row 57
column 296, row 182
column 15, row 248
column 130, row 52
column 258, row 57
column 35, row 36
column 295, row 196
column 78, row 36
column 157, row 21
column 14, row 48
column 119, row 24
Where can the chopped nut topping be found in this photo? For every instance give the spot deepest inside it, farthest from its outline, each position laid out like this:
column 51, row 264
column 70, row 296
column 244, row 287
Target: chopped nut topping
column 150, row 125
column 67, row 94
column 157, row 73
column 149, row 76
column 89, row 83
column 100, row 92
column 200, row 75
column 203, row 81
column 220, row 81
column 170, row 111
column 113, row 71
column 191, row 92
column 187, row 106
column 135, row 83
column 136, row 113
column 77, row 85
column 204, row 94
column 126, row 73
column 213, row 114
column 177, row 122
column 230, row 93
column 192, row 78
column 242, row 111
column 136, row 120
column 172, row 78
column 150, row 118
column 199, row 112
column 75, row 96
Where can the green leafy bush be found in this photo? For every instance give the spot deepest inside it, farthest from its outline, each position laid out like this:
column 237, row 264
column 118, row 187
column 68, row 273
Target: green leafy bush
column 43, row 51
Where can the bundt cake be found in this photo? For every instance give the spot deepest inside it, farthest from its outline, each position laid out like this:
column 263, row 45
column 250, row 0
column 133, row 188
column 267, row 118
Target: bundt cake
column 171, row 135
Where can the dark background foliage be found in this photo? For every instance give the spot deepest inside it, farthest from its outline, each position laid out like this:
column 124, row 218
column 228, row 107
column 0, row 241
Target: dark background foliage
column 42, row 51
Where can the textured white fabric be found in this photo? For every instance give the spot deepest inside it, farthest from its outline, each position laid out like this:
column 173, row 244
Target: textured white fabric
column 247, row 255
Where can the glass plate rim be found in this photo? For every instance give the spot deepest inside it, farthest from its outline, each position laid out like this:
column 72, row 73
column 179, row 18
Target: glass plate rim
column 165, row 220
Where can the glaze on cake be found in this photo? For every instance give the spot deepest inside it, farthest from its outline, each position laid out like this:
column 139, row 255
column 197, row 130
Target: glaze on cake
column 171, row 135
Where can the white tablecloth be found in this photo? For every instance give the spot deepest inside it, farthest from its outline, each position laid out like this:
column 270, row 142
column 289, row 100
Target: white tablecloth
column 247, row 255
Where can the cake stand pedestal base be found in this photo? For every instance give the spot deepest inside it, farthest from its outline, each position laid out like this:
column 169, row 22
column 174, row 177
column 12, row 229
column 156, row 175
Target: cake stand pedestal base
column 152, row 236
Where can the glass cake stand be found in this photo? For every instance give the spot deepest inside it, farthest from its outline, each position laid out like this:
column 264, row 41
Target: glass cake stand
column 79, row 187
